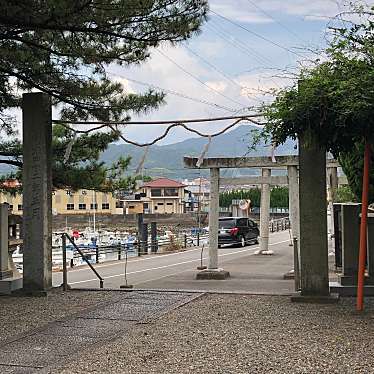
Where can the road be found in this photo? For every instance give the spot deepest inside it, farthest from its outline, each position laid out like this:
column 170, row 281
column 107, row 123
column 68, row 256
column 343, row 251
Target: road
column 148, row 269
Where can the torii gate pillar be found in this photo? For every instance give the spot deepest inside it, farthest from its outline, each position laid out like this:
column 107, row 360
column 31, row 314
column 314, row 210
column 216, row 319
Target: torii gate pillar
column 213, row 271
column 293, row 198
column 265, row 214
column 313, row 221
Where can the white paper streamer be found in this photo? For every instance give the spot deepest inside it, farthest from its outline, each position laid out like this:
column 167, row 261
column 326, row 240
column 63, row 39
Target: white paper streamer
column 204, row 152
column 272, row 152
column 141, row 163
column 69, row 148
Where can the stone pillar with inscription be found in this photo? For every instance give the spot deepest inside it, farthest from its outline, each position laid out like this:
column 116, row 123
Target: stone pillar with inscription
column 37, row 198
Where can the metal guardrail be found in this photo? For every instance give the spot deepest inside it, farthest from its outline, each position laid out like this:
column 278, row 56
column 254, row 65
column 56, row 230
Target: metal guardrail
column 64, row 267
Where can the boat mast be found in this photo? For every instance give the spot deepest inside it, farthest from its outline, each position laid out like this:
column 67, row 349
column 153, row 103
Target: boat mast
column 94, row 212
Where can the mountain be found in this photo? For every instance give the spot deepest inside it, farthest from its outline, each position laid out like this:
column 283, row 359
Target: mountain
column 167, row 160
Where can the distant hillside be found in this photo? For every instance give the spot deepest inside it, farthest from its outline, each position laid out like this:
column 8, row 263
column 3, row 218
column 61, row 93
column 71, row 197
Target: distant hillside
column 167, row 160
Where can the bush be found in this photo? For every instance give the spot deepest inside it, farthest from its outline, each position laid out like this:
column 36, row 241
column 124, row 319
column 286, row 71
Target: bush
column 278, row 197
column 344, row 194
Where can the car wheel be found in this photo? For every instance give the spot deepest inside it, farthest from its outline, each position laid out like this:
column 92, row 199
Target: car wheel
column 242, row 241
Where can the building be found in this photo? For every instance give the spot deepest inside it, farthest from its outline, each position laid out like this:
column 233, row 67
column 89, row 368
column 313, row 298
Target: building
column 199, row 193
column 160, row 195
column 72, row 202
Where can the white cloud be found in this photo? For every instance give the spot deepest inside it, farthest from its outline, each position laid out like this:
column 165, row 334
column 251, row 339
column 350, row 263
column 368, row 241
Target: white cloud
column 235, row 11
column 126, row 84
column 161, row 72
column 264, row 11
column 210, row 48
column 219, row 86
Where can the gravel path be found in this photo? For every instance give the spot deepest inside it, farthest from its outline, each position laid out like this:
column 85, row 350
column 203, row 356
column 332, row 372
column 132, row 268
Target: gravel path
column 242, row 334
column 213, row 334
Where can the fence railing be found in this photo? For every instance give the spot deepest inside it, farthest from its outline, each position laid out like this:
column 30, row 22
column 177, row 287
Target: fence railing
column 280, row 224
column 64, row 261
column 76, row 254
column 102, row 253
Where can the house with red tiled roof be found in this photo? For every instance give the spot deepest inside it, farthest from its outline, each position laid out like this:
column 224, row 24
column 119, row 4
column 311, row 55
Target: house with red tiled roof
column 161, row 195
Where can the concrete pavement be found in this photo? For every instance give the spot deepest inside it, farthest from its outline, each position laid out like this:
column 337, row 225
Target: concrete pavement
column 249, row 272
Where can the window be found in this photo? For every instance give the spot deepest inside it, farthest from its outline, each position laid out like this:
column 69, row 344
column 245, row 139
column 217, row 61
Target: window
column 155, row 207
column 119, row 204
column 84, row 192
column 156, row 192
column 226, row 223
column 145, row 205
column 10, row 207
column 105, row 206
column 242, row 222
column 68, row 192
column 82, row 206
column 93, row 206
column 169, row 203
column 69, row 206
column 171, row 192
column 20, row 207
column 131, row 206
column 160, row 203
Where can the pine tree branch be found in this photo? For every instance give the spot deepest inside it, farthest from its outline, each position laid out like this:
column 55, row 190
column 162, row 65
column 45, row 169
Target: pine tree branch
column 12, row 162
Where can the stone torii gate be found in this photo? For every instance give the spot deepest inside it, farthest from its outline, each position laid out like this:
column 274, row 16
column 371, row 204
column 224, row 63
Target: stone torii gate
column 37, row 214
column 313, row 253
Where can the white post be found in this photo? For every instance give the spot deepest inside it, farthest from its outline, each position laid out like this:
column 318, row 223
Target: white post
column 213, row 272
column 264, row 214
column 293, row 197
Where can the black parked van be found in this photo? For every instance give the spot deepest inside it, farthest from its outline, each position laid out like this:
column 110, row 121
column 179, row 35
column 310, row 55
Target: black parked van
column 237, row 231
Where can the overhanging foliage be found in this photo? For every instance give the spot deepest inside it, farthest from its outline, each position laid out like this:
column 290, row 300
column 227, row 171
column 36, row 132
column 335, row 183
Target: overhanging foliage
column 64, row 48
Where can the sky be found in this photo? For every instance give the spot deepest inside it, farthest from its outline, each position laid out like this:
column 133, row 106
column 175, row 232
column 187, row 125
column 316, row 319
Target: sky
column 244, row 49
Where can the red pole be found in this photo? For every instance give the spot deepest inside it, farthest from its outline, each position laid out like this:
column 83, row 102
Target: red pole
column 363, row 229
